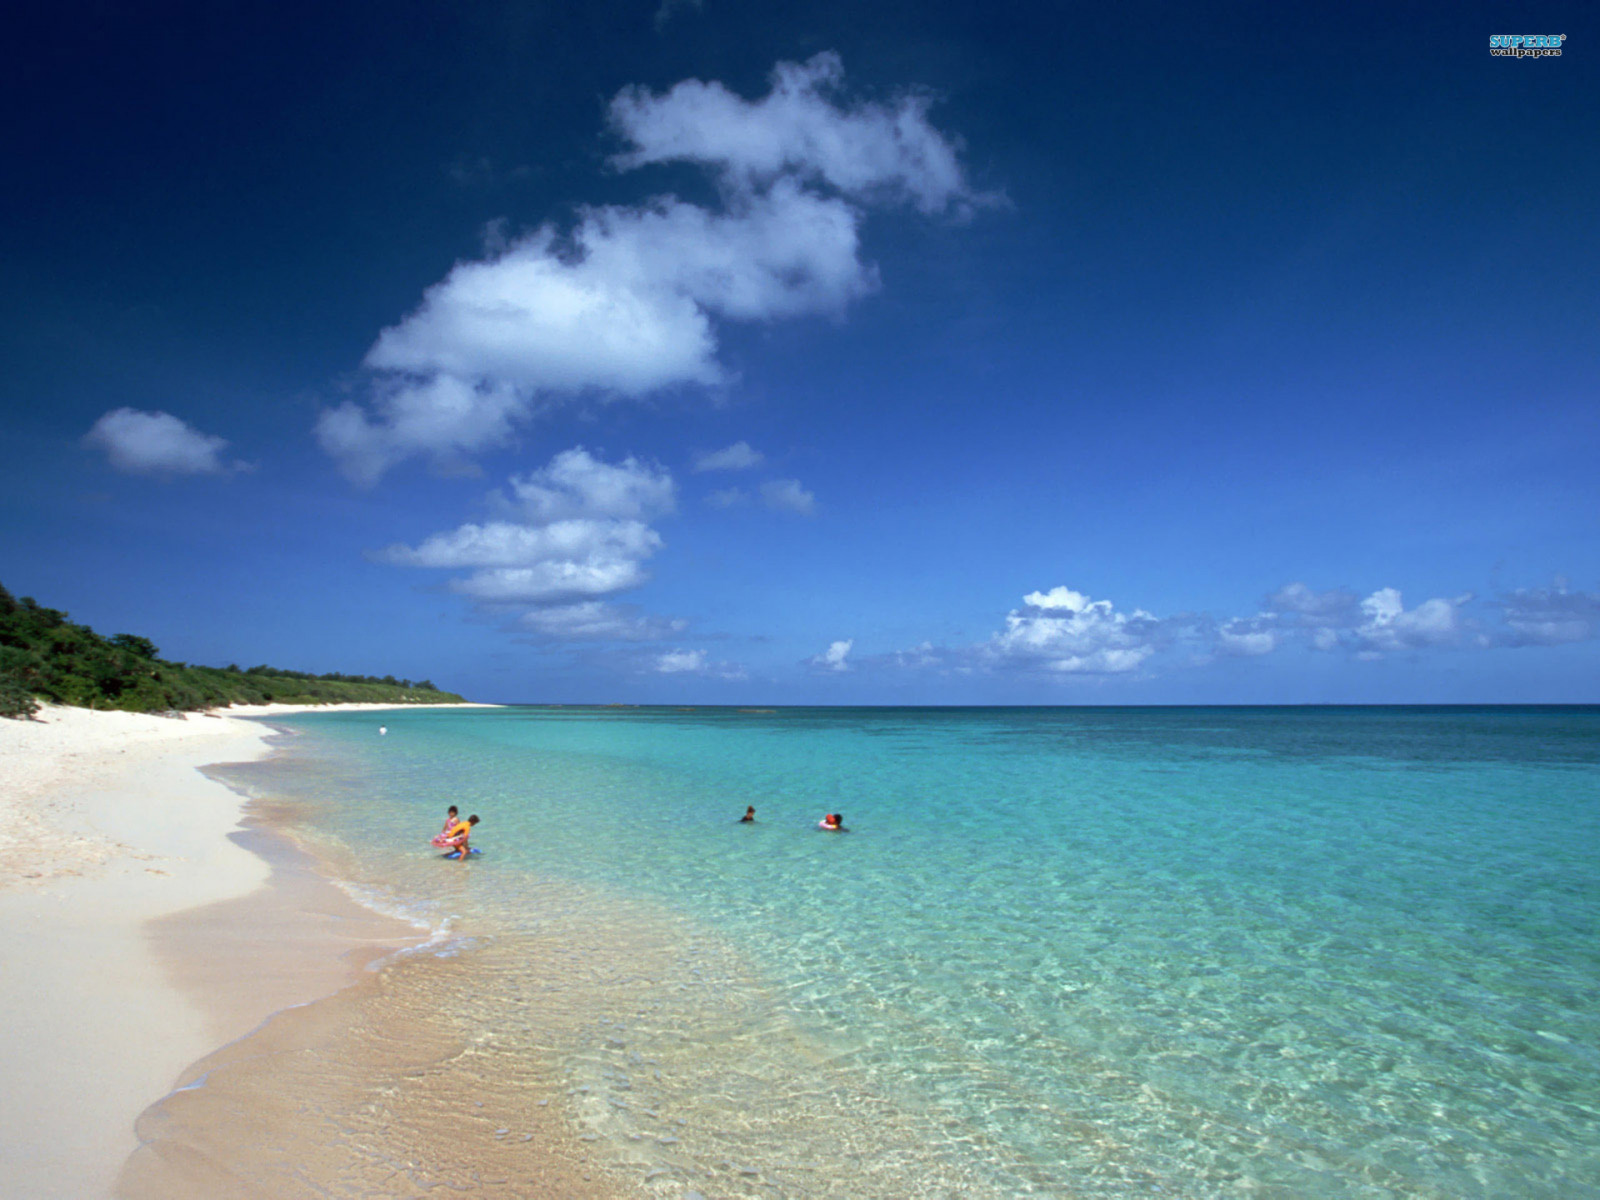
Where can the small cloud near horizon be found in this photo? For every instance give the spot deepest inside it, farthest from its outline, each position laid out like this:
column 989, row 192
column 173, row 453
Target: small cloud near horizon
column 834, row 657
column 695, row 662
column 1062, row 633
column 677, row 662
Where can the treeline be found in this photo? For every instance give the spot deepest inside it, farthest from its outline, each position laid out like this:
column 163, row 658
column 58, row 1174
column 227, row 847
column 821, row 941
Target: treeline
column 44, row 655
column 332, row 677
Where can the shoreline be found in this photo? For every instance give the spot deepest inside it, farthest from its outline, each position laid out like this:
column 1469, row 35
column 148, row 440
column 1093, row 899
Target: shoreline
column 110, row 833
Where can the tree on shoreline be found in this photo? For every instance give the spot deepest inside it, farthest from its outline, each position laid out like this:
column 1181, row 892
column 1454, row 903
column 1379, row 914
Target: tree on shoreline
column 43, row 654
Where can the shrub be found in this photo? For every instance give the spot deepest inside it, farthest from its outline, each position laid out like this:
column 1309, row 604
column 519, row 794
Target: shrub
column 15, row 702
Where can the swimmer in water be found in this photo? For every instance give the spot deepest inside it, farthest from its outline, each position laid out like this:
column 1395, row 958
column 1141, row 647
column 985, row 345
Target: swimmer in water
column 749, row 817
column 460, row 836
column 831, row 821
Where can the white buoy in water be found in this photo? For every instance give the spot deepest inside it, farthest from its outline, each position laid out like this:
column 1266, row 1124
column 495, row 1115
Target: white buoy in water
column 383, row 730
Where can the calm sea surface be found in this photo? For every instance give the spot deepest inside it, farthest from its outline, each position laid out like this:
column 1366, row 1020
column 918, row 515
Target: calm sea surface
column 1291, row 952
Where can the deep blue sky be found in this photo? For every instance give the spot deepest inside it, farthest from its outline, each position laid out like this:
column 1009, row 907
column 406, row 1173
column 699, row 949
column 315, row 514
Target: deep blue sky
column 1219, row 300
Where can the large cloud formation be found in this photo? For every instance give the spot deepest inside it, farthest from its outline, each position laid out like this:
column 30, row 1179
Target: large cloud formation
column 694, row 662
column 1063, row 633
column 628, row 302
column 1552, row 616
column 563, row 540
column 798, row 130
column 1372, row 627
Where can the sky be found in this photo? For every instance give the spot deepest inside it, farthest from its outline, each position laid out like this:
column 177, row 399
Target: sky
column 678, row 351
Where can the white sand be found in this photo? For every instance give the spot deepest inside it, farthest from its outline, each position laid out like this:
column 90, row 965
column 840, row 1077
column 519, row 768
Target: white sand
column 106, row 824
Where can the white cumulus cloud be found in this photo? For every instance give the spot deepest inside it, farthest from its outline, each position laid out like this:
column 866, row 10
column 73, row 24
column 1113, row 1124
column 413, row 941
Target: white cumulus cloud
column 678, row 662
column 593, row 620
column 834, row 657
column 567, row 536
column 1064, row 631
column 158, row 443
column 694, row 662
column 501, row 544
column 1248, row 637
column 629, row 300
column 802, row 127
column 552, row 582
column 1388, row 625
column 449, row 418
column 575, row 559
column 1371, row 627
column 578, row 484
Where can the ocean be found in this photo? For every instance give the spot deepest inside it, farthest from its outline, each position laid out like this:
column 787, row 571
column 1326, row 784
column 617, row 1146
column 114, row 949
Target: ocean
column 1191, row 952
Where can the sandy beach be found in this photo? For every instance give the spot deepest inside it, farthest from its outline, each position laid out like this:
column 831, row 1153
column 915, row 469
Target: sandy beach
column 109, row 831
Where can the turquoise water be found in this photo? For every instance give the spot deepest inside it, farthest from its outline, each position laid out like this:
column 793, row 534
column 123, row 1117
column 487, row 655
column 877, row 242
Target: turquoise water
column 1295, row 952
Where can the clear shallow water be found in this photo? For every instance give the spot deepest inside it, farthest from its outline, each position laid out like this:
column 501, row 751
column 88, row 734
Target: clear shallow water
column 1294, row 952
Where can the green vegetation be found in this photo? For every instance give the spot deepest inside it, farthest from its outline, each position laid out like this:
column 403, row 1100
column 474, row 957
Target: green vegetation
column 44, row 655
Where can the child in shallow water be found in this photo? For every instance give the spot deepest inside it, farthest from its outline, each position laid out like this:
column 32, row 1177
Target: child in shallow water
column 833, row 821
column 455, row 834
column 460, row 836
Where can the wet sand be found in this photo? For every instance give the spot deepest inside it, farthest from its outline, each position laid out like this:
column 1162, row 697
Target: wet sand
column 361, row 1091
column 140, row 930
